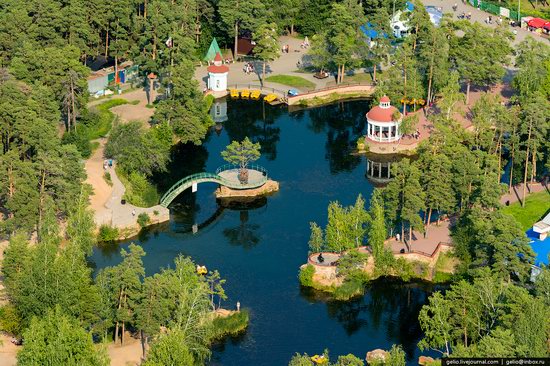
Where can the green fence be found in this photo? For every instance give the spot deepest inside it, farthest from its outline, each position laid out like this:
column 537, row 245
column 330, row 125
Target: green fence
column 495, row 9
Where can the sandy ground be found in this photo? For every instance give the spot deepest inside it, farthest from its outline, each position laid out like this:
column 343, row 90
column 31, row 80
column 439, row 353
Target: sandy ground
column 94, row 172
column 127, row 355
column 8, row 351
column 131, row 112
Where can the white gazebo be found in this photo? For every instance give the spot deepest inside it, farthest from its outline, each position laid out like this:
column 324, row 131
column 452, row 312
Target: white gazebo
column 217, row 75
column 383, row 122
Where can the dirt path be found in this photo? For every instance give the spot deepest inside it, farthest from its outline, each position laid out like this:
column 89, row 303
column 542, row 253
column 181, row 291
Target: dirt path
column 127, row 355
column 8, row 351
column 134, row 112
column 94, row 172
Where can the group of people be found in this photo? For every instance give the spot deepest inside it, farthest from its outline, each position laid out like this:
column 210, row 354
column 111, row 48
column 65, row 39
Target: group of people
column 489, row 20
column 285, row 49
column 248, row 68
column 465, row 16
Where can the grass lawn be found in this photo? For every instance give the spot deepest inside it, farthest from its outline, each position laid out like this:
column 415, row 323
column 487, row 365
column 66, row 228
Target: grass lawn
column 360, row 78
column 536, row 206
column 293, row 81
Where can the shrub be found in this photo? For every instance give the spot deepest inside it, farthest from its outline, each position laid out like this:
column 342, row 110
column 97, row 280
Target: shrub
column 10, row 321
column 108, row 179
column 156, row 213
column 79, row 138
column 143, row 219
column 361, row 143
column 107, row 233
column 306, row 275
column 349, row 289
column 209, row 100
column 139, row 191
column 230, row 325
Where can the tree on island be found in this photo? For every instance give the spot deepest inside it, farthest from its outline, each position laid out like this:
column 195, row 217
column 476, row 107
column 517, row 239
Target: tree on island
column 404, row 198
column 316, row 240
column 346, row 228
column 267, row 45
column 242, row 153
column 377, row 232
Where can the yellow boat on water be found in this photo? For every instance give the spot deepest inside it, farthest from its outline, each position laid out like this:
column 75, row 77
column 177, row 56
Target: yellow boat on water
column 234, row 93
column 245, row 94
column 255, row 94
column 270, row 98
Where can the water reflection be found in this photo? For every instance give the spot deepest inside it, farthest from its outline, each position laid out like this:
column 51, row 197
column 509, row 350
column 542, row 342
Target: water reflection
column 245, row 234
column 218, row 111
column 388, row 306
column 379, row 167
column 250, row 119
column 344, row 124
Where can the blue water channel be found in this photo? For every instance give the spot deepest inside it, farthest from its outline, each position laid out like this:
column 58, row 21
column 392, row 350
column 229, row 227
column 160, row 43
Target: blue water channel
column 259, row 246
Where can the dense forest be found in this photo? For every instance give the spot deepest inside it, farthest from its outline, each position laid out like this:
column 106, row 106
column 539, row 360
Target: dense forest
column 46, row 49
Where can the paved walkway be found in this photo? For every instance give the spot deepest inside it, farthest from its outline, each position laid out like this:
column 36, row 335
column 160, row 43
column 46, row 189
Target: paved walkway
column 286, row 64
column 426, row 127
column 517, row 192
column 105, row 200
column 435, row 235
column 480, row 16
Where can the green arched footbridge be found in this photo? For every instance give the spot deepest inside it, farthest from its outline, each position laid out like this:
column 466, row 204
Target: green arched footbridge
column 227, row 175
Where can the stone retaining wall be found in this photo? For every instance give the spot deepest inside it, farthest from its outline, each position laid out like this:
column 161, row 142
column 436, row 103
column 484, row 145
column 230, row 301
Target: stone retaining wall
column 345, row 89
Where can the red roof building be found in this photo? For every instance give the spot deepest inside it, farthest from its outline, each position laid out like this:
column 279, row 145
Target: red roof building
column 217, row 75
column 218, row 67
column 383, row 122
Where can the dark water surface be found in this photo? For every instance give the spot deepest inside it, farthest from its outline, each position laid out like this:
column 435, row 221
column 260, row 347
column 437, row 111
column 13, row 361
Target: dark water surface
column 258, row 247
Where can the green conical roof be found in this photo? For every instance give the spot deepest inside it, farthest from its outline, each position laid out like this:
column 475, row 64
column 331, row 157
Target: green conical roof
column 212, row 50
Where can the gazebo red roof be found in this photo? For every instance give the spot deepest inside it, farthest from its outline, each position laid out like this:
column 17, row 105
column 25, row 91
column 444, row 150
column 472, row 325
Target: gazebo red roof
column 383, row 112
column 537, row 23
column 379, row 114
column 217, row 69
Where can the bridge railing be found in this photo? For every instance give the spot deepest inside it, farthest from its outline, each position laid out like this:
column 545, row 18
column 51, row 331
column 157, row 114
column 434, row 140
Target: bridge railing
column 188, row 179
column 251, row 182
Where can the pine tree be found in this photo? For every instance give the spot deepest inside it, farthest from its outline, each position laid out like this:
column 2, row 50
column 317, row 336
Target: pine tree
column 240, row 15
column 267, row 45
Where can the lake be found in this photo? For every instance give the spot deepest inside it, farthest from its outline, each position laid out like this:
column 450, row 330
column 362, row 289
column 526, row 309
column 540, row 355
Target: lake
column 259, row 246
